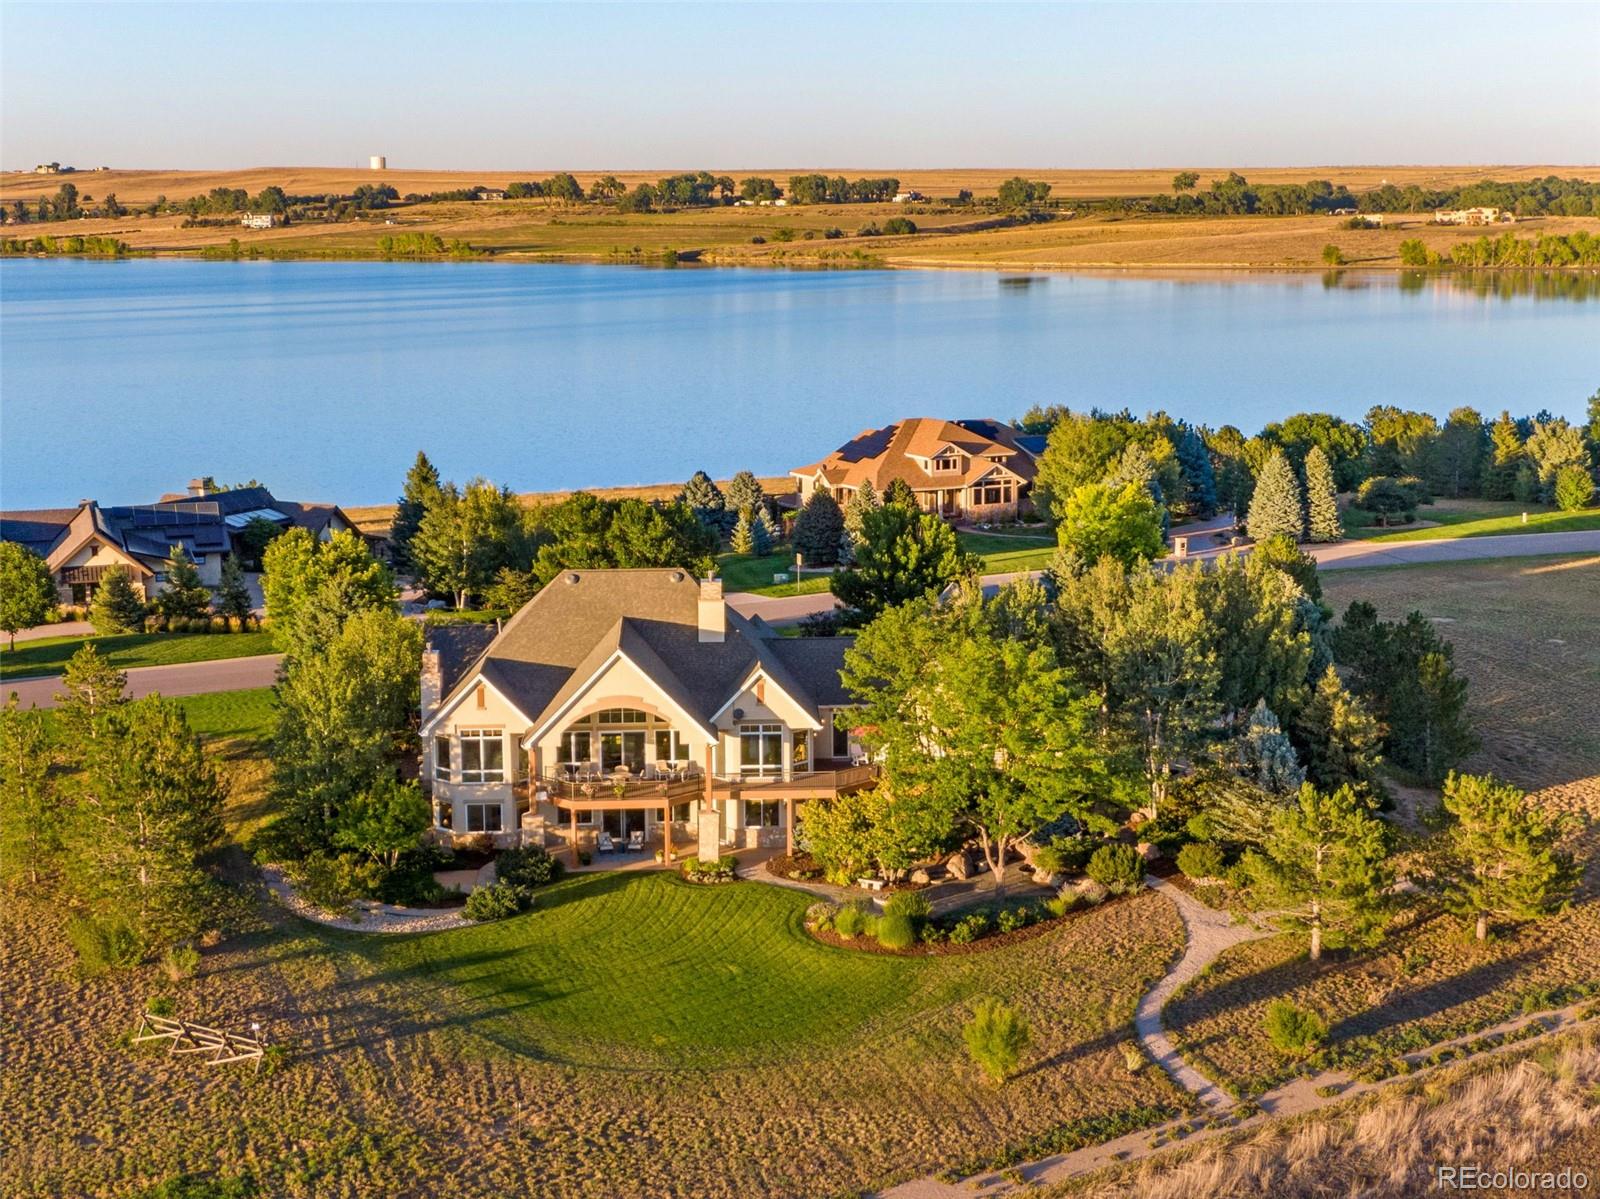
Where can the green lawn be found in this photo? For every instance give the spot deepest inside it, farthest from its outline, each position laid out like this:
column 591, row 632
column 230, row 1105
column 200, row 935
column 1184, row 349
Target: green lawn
column 50, row 655
column 1003, row 554
column 1473, row 518
column 746, row 572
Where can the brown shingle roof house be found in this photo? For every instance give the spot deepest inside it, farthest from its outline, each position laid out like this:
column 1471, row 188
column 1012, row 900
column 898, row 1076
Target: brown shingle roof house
column 975, row 469
column 619, row 704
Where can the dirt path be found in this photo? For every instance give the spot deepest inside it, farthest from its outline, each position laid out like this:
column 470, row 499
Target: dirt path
column 368, row 915
column 1208, row 933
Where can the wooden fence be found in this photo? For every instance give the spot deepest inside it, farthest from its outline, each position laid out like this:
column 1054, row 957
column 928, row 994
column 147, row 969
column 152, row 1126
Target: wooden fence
column 197, row 1038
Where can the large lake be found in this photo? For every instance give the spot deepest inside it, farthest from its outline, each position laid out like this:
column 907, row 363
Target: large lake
column 121, row 380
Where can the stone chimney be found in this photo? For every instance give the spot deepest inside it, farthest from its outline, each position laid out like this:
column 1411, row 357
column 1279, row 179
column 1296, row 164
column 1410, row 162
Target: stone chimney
column 713, row 615
column 198, row 487
column 432, row 682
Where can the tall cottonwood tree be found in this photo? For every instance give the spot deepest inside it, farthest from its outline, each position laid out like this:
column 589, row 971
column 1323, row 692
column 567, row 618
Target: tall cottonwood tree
column 1500, row 855
column 340, row 572
column 1326, row 857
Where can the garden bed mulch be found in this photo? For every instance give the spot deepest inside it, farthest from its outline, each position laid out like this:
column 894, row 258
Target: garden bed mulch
column 868, row 944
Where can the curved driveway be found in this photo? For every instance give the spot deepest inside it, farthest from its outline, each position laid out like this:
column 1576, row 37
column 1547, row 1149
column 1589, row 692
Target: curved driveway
column 182, row 678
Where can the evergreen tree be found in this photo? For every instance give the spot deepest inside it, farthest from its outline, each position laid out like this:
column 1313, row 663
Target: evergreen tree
column 1574, row 488
column 233, row 597
column 1500, row 853
column 149, row 807
column 1340, row 739
column 1592, row 430
column 743, row 540
column 745, row 493
column 422, row 488
column 818, row 528
column 1325, row 856
column 27, row 592
column 864, row 500
column 706, row 499
column 900, row 492
column 1267, row 756
column 183, row 595
column 30, row 808
column 1322, row 506
column 1505, row 458
column 763, row 533
column 116, row 605
column 1199, row 477
column 1135, row 466
column 91, row 689
column 1276, row 506
column 1456, row 463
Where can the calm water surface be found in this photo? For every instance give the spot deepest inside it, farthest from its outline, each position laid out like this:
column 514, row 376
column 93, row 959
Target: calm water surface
column 124, row 379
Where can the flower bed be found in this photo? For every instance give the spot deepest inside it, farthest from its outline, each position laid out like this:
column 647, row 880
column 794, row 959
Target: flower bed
column 723, row 870
column 936, row 938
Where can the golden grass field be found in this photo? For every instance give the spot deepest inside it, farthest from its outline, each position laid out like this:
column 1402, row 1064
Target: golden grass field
column 1526, row 638
column 947, row 238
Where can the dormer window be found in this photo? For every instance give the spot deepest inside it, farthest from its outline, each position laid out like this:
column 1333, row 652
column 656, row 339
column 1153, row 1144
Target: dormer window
column 946, row 464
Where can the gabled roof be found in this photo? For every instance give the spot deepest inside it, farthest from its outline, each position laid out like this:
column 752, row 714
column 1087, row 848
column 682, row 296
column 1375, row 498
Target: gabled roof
column 880, row 456
column 36, row 528
column 580, row 621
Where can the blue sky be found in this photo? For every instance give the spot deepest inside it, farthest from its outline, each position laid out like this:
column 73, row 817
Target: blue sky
column 530, row 86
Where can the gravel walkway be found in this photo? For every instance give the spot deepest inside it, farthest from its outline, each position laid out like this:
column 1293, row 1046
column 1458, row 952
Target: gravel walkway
column 366, row 916
column 1208, row 933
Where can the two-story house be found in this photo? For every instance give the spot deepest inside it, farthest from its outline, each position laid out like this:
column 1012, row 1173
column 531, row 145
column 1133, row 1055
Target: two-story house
column 971, row 469
column 632, row 708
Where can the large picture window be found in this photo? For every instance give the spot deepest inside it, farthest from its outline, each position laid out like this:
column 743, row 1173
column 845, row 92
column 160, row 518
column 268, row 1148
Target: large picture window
column 441, row 759
column 483, row 756
column 761, row 749
column 483, row 818
column 670, row 746
column 575, row 746
column 760, row 813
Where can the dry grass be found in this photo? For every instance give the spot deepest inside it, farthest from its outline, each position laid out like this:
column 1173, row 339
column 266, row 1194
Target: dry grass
column 461, row 1065
column 533, row 229
column 1540, row 1113
column 1525, row 635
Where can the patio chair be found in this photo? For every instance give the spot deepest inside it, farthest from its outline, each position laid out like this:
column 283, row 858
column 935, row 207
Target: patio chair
column 636, row 841
column 604, row 844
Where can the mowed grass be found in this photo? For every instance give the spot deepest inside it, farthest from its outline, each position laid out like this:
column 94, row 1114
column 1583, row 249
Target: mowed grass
column 752, row 573
column 1474, row 518
column 50, row 655
column 631, row 1035
column 1526, row 636
column 1004, row 553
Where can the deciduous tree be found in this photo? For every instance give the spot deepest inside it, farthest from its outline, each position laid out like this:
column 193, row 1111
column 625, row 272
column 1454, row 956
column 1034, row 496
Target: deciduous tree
column 901, row 554
column 340, row 572
column 27, row 593
column 1097, row 521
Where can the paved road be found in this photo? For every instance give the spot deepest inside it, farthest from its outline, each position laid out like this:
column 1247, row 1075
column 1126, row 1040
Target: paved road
column 184, row 678
column 1346, row 555
column 66, row 628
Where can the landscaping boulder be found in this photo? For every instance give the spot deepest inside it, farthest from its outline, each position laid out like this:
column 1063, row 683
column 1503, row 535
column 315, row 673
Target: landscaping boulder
column 1147, row 851
column 960, row 865
column 920, row 877
column 1044, row 878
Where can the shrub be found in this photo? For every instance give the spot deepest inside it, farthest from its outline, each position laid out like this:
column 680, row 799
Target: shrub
column 1200, row 861
column 180, row 962
column 104, row 943
column 1574, row 488
column 1117, row 867
column 850, row 920
column 820, row 915
column 497, row 901
column 1091, row 892
column 934, row 934
column 895, row 931
column 969, row 928
column 996, row 1037
column 912, row 904
column 530, row 866
column 1011, row 919
column 1294, row 1030
column 160, row 1005
column 1133, row 1057
column 899, row 224
column 332, row 882
column 1067, row 901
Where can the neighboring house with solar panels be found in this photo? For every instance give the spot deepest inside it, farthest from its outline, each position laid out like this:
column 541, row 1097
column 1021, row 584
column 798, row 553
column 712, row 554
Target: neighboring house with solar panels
column 80, row 544
column 963, row 469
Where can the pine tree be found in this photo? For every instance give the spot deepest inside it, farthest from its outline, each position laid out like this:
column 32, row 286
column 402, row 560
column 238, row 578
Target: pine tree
column 1267, row 755
column 92, row 688
column 1505, row 458
column 704, row 496
column 1199, row 477
column 184, row 595
column 1340, row 738
column 745, row 492
column 763, row 533
column 1321, row 503
column 422, row 488
column 1428, row 727
column 30, row 808
column 1500, row 853
column 233, row 597
column 1276, row 506
column 865, row 500
column 818, row 528
column 1137, row 467
column 743, row 541
column 148, row 808
column 1326, row 856
column 900, row 492
column 116, row 607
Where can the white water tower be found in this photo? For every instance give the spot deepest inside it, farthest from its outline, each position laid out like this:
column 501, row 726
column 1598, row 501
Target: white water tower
column 377, row 162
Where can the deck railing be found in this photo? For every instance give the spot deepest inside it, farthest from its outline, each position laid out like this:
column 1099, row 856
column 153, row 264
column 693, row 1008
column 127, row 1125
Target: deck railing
column 632, row 787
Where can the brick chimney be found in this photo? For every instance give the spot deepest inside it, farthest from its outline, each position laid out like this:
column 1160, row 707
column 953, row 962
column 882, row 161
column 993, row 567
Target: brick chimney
column 713, row 615
column 432, row 682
